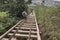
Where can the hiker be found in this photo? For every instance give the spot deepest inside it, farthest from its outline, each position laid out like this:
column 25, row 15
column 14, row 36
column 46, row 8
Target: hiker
column 32, row 11
column 24, row 14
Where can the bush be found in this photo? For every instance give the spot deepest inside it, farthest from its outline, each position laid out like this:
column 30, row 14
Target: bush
column 6, row 20
column 3, row 15
column 29, row 10
column 48, row 18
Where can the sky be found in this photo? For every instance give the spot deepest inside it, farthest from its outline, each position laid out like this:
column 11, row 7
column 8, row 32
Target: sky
column 56, row 0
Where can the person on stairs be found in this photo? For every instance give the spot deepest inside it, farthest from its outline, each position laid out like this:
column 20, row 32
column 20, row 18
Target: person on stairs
column 24, row 14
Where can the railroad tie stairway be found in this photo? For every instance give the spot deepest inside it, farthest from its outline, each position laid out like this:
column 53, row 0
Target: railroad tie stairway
column 23, row 30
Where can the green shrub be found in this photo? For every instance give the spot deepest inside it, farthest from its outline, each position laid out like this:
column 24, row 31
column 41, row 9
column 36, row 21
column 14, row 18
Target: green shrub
column 3, row 15
column 6, row 20
column 29, row 10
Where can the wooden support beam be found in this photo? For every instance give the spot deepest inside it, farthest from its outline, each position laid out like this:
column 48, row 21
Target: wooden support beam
column 5, row 39
column 22, row 35
column 22, row 31
column 38, row 33
column 25, row 28
column 13, row 38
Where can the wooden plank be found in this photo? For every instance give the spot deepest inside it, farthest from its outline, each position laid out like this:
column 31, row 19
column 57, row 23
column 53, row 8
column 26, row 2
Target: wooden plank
column 13, row 38
column 30, row 24
column 5, row 39
column 22, row 31
column 10, row 30
column 25, row 28
column 28, row 28
column 22, row 35
column 33, row 29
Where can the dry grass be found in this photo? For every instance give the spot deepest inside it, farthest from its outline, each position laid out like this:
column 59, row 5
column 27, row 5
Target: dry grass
column 49, row 22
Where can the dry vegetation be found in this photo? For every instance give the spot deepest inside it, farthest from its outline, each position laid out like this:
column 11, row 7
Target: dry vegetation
column 49, row 22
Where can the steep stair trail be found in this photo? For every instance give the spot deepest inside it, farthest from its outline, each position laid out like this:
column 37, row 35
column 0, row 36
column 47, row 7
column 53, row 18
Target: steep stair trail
column 23, row 30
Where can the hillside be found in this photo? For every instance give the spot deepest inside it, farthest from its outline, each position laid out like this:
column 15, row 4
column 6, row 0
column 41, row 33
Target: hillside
column 49, row 22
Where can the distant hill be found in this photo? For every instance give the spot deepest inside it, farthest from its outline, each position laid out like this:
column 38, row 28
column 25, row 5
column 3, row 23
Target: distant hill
column 52, row 3
column 36, row 1
column 48, row 2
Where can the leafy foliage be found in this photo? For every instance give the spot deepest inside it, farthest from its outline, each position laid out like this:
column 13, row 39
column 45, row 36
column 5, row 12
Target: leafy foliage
column 3, row 15
column 11, row 12
column 29, row 1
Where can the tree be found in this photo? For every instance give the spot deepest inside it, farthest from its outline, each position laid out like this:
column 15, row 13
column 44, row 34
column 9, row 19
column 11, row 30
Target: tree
column 15, row 7
column 29, row 1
